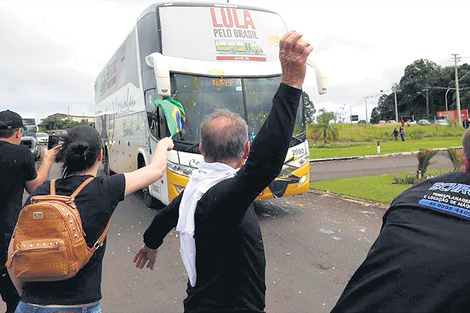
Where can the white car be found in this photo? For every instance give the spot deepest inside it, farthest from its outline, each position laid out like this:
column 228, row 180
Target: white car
column 33, row 146
column 424, row 122
column 442, row 122
column 42, row 138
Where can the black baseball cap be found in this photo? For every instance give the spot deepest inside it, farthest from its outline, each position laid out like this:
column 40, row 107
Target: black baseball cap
column 10, row 120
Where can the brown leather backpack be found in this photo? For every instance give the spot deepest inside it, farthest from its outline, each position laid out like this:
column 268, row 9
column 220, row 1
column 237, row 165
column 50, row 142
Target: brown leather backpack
column 48, row 243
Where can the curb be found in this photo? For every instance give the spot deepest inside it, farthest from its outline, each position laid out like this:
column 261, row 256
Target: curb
column 375, row 155
column 364, row 202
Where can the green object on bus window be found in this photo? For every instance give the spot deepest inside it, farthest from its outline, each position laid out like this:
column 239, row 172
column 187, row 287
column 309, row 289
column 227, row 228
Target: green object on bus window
column 174, row 114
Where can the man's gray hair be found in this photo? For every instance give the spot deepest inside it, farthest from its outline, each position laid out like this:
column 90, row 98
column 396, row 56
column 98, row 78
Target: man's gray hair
column 224, row 140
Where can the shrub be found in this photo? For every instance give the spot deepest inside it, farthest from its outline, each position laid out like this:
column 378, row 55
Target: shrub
column 409, row 179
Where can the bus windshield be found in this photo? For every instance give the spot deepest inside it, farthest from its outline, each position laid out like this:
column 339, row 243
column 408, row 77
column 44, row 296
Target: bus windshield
column 249, row 97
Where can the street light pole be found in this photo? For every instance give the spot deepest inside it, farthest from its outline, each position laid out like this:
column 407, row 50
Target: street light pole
column 396, row 105
column 365, row 100
column 457, row 92
column 448, row 89
column 395, row 89
column 427, row 102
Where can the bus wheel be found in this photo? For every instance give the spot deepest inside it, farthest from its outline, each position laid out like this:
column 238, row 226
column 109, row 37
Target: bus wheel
column 150, row 201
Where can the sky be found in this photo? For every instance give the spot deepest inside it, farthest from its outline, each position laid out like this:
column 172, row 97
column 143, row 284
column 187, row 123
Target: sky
column 52, row 51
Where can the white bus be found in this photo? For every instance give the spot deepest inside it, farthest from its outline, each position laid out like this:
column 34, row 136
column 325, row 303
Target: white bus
column 175, row 50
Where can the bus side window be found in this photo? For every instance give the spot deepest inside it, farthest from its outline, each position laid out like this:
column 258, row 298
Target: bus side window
column 152, row 112
column 155, row 116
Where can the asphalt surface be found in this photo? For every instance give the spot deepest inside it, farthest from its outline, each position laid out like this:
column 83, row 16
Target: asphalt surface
column 313, row 245
column 369, row 166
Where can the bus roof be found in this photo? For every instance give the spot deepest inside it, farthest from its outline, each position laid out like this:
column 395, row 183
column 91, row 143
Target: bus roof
column 152, row 8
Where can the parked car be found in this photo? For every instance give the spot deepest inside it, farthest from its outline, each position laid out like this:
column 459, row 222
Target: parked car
column 33, row 145
column 442, row 122
column 424, row 122
column 42, row 138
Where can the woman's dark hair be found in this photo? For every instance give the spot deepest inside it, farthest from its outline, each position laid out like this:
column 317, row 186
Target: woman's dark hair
column 80, row 150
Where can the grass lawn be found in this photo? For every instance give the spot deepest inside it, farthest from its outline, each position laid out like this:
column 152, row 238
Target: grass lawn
column 380, row 188
column 375, row 188
column 360, row 149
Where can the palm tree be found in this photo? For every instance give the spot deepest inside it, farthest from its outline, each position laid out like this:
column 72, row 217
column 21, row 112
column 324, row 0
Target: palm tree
column 324, row 129
column 455, row 156
column 424, row 160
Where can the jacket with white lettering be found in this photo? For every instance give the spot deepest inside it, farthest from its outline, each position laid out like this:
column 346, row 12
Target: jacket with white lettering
column 419, row 261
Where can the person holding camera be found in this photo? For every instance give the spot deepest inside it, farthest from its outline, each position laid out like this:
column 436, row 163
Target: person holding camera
column 17, row 172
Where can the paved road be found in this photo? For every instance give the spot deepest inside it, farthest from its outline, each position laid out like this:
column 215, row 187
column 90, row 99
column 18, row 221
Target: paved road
column 313, row 245
column 321, row 171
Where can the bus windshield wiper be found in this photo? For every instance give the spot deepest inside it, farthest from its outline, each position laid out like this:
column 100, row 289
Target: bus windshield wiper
column 186, row 146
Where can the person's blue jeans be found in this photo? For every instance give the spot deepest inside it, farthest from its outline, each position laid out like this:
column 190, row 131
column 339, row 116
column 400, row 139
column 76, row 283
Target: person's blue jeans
column 24, row 307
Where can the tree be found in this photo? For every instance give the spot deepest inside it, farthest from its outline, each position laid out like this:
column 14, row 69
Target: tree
column 54, row 122
column 423, row 89
column 309, row 108
column 424, row 160
column 375, row 116
column 324, row 129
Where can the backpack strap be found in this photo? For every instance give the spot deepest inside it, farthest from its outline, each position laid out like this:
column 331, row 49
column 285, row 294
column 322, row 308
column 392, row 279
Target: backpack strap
column 100, row 241
column 80, row 188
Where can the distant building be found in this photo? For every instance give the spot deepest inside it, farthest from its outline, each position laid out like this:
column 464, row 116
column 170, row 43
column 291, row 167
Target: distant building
column 74, row 118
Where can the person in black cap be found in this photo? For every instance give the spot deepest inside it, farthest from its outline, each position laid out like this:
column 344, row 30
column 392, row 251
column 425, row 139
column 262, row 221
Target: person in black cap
column 17, row 172
column 419, row 261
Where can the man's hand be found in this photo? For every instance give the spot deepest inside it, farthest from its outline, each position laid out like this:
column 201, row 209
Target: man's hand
column 48, row 155
column 293, row 53
column 167, row 142
column 48, row 158
column 145, row 256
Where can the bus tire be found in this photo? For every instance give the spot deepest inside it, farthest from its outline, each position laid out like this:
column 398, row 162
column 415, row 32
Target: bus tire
column 150, row 201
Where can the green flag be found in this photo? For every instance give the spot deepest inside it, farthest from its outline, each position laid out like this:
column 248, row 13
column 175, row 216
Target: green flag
column 174, row 114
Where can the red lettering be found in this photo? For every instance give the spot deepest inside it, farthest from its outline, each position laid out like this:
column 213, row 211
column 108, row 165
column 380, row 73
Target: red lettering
column 237, row 22
column 248, row 20
column 214, row 19
column 225, row 14
column 230, row 19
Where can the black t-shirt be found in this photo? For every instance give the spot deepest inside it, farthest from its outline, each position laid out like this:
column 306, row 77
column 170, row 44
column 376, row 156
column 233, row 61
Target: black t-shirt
column 96, row 202
column 16, row 168
column 419, row 260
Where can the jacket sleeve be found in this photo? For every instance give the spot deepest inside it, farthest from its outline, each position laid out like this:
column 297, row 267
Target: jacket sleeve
column 264, row 162
column 162, row 223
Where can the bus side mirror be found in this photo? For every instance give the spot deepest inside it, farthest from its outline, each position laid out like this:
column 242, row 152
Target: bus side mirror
column 322, row 79
column 162, row 73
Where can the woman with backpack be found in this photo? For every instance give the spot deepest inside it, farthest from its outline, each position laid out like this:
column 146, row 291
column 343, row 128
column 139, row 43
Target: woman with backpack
column 82, row 154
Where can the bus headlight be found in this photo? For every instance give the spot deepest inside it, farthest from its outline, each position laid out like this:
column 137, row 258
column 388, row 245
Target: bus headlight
column 293, row 164
column 302, row 180
column 180, row 169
